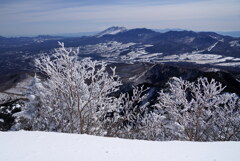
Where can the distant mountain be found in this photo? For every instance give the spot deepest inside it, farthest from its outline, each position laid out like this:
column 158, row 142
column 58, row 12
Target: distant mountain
column 134, row 35
column 112, row 31
column 230, row 33
column 225, row 33
column 1, row 37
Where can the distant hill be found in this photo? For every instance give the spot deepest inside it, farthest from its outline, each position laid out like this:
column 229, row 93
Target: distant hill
column 230, row 33
column 225, row 33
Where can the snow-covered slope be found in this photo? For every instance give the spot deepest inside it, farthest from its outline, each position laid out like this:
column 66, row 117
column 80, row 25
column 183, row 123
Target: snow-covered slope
column 111, row 31
column 114, row 51
column 44, row 146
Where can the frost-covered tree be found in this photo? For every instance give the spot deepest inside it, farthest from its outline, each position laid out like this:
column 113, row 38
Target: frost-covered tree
column 75, row 95
column 199, row 111
column 78, row 96
column 23, row 119
column 129, row 117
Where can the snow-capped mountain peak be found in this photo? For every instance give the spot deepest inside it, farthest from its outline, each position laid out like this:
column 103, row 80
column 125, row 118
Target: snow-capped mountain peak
column 111, row 31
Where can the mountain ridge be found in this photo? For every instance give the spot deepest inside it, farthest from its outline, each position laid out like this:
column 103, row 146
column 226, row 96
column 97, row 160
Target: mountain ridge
column 235, row 34
column 111, row 31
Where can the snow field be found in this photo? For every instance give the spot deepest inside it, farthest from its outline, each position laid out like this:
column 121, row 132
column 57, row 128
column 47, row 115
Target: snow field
column 48, row 146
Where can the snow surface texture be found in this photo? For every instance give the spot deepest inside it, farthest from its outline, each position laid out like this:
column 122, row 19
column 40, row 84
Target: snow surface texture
column 46, row 146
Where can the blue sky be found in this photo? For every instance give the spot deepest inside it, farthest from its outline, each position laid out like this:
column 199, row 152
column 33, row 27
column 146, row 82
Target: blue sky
column 33, row 17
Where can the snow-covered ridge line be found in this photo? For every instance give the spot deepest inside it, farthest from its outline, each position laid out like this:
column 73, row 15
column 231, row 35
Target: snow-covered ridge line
column 211, row 47
column 39, row 146
column 112, row 31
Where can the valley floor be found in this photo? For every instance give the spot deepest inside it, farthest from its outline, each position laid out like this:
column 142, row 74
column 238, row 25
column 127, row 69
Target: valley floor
column 48, row 146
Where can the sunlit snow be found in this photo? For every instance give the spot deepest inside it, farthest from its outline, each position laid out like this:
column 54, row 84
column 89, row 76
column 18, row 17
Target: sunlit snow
column 46, row 146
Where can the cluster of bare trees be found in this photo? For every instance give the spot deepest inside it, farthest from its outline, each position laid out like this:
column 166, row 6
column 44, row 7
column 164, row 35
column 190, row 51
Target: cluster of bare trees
column 78, row 96
column 199, row 111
